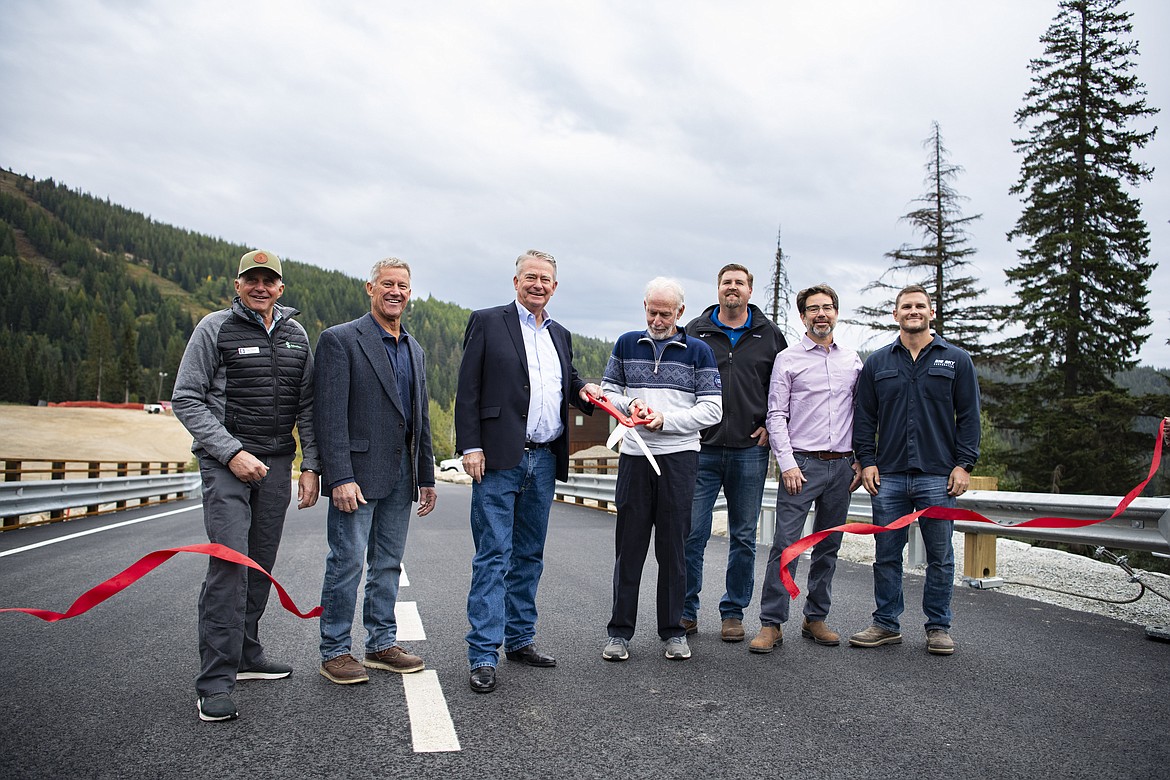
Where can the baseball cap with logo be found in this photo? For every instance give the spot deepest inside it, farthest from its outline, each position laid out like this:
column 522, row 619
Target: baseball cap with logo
column 258, row 258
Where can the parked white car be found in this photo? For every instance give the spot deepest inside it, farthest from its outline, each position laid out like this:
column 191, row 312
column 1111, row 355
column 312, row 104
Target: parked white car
column 452, row 464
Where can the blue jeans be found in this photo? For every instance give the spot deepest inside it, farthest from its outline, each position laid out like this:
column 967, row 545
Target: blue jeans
column 375, row 531
column 899, row 495
column 509, row 520
column 740, row 472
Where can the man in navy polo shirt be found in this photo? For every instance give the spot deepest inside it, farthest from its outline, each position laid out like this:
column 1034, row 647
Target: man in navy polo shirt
column 916, row 435
column 734, row 454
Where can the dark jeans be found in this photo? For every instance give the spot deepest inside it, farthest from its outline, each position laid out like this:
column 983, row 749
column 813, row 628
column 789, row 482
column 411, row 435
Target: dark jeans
column 248, row 518
column 899, row 495
column 827, row 487
column 645, row 502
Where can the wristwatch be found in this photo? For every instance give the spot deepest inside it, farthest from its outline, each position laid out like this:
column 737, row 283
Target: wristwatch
column 967, row 467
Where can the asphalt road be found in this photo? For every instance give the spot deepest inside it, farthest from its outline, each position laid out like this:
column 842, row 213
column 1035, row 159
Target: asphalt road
column 1034, row 690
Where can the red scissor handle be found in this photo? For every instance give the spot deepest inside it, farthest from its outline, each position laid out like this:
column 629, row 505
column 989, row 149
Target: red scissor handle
column 616, row 413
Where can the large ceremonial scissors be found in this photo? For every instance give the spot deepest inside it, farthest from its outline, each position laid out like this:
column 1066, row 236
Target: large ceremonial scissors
column 626, row 425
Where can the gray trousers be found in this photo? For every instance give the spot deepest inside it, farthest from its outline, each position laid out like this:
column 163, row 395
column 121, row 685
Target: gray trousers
column 248, row 518
column 827, row 487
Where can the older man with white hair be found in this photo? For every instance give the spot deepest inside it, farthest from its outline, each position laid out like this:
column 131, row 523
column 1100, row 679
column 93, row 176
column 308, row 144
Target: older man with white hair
column 663, row 376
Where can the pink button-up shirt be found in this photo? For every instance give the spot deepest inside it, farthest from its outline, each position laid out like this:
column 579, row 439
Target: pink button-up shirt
column 810, row 400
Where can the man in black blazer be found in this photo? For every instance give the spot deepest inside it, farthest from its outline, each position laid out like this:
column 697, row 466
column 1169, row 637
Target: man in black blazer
column 511, row 427
column 371, row 404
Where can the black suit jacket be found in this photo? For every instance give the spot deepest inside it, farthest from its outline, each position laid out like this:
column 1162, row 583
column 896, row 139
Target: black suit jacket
column 491, row 403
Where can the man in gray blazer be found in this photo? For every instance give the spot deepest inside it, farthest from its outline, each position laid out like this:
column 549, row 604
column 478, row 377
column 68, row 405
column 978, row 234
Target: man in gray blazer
column 371, row 408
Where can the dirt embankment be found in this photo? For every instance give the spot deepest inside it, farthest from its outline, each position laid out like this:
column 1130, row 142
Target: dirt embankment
column 56, row 433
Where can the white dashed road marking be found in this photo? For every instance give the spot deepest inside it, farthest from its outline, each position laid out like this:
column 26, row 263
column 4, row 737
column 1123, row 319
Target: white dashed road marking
column 431, row 727
column 410, row 627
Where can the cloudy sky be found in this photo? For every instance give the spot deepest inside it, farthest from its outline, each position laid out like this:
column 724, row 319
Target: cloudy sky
column 628, row 139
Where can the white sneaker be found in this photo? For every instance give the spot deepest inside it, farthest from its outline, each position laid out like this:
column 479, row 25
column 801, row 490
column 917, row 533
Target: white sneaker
column 616, row 649
column 677, row 648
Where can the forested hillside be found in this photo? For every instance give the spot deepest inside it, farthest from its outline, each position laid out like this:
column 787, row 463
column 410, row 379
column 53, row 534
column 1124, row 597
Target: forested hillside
column 98, row 301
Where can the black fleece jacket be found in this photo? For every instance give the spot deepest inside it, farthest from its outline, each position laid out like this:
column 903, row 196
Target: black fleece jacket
column 745, row 372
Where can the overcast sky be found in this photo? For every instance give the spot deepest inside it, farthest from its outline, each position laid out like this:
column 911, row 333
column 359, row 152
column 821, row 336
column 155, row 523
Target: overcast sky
column 628, row 139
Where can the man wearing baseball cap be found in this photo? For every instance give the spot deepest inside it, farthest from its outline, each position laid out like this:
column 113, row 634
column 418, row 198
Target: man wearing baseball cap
column 246, row 379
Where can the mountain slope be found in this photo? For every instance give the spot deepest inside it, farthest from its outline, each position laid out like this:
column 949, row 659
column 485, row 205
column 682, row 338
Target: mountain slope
column 97, row 301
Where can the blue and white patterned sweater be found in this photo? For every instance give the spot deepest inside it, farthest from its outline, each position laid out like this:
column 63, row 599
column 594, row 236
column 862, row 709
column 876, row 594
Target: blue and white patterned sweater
column 683, row 383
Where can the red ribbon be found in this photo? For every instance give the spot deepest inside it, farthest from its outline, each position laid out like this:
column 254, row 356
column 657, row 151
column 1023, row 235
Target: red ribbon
column 792, row 551
column 148, row 563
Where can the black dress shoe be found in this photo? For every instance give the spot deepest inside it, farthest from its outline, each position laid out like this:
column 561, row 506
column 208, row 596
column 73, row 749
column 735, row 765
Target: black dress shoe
column 483, row 679
column 531, row 656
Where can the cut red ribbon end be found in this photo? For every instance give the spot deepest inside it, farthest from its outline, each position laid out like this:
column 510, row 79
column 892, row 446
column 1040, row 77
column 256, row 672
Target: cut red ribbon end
column 793, row 551
column 148, row 563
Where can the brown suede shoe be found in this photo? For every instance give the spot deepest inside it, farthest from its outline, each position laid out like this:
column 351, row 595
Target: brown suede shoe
column 875, row 636
column 817, row 631
column 690, row 626
column 939, row 642
column 394, row 659
column 344, row 670
column 732, row 630
column 769, row 637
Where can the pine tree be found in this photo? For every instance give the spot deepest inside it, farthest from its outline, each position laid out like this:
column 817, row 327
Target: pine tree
column 940, row 263
column 99, row 353
column 128, row 370
column 1082, row 275
column 780, row 288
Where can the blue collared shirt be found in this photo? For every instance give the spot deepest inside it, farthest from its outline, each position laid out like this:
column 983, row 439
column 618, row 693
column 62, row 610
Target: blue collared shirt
column 733, row 334
column 917, row 415
column 398, row 351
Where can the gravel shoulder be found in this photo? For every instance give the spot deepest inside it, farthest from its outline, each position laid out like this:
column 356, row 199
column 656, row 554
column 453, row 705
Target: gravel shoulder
column 1023, row 567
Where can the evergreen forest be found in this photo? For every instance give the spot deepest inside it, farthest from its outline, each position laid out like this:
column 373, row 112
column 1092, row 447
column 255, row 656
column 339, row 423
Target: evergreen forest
column 97, row 301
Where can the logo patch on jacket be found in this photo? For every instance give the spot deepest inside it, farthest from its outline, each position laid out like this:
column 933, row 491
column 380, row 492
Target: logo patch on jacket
column 248, row 350
column 291, row 345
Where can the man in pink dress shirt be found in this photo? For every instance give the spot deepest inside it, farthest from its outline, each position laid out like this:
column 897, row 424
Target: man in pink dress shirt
column 810, row 428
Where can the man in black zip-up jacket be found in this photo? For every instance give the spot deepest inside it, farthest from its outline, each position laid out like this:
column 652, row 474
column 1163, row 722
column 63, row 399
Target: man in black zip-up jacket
column 734, row 454
column 246, row 379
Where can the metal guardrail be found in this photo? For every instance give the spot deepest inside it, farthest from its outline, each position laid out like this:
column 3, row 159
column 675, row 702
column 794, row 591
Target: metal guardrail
column 1145, row 525
column 56, row 495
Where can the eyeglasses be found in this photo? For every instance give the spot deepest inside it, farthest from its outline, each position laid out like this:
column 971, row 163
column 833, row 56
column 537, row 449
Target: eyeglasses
column 828, row 308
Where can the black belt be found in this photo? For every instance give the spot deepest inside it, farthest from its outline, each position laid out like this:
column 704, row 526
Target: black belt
column 826, row 455
column 537, row 445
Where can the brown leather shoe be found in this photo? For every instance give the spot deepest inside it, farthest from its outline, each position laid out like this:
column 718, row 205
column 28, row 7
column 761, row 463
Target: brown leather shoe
column 344, row 670
column 690, row 626
column 817, row 631
column 732, row 630
column 769, row 637
column 394, row 659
